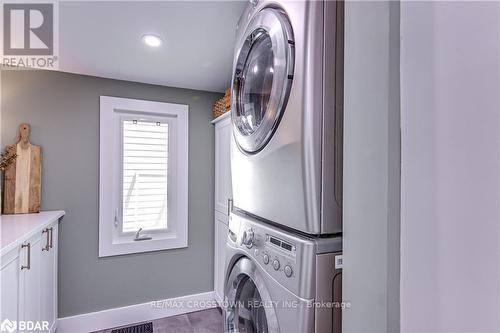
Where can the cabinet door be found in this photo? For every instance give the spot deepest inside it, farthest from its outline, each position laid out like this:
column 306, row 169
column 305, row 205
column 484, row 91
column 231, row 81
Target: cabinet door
column 223, row 191
column 48, row 278
column 9, row 278
column 221, row 230
column 29, row 282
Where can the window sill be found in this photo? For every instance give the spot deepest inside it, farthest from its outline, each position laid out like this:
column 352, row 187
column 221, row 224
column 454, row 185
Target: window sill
column 129, row 246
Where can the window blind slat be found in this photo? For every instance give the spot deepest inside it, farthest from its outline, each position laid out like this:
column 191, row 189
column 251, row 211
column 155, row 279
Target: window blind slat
column 145, row 168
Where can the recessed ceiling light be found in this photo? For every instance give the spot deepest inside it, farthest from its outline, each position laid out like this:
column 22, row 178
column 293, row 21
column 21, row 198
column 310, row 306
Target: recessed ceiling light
column 151, row 40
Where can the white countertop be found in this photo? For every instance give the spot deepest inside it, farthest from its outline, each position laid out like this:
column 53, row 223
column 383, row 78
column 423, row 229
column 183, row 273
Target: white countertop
column 15, row 229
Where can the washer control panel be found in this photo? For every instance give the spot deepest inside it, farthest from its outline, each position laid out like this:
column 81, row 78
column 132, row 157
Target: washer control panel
column 283, row 254
column 278, row 256
column 287, row 257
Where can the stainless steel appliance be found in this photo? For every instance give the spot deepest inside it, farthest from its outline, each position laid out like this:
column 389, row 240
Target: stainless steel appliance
column 287, row 116
column 277, row 281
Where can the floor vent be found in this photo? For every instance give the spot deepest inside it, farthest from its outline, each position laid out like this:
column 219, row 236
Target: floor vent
column 141, row 328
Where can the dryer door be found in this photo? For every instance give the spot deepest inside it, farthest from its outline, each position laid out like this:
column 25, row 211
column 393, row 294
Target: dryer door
column 262, row 78
column 248, row 305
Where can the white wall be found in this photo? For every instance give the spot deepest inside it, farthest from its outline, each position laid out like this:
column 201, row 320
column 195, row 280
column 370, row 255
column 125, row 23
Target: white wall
column 371, row 167
column 450, row 224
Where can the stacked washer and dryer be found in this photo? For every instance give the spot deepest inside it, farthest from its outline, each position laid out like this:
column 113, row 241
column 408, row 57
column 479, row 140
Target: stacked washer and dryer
column 283, row 253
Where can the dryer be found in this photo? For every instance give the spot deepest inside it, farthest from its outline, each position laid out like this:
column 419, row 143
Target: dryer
column 286, row 113
column 277, row 281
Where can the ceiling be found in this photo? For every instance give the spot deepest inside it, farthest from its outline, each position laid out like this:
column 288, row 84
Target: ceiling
column 104, row 39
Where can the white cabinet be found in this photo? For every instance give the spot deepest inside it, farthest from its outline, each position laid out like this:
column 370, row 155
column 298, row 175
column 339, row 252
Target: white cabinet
column 28, row 275
column 223, row 191
column 221, row 230
column 29, row 282
column 9, row 278
column 223, row 196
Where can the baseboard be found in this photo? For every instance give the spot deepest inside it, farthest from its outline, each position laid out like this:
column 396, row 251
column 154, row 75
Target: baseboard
column 110, row 318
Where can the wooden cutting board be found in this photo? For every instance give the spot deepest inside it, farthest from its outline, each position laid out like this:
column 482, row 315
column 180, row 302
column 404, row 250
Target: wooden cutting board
column 22, row 179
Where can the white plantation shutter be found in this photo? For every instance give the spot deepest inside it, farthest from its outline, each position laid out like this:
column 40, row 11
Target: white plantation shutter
column 145, row 167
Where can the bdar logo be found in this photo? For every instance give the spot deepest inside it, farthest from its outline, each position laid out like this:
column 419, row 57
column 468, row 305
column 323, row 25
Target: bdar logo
column 7, row 325
column 28, row 29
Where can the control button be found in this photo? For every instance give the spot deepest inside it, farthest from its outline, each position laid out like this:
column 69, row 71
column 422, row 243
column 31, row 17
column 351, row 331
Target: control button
column 265, row 258
column 276, row 264
column 288, row 271
column 256, row 252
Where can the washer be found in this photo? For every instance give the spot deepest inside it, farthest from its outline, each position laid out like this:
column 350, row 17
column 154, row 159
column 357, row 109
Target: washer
column 275, row 280
column 286, row 113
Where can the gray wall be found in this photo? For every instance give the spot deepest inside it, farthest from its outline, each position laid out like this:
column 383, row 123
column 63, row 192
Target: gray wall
column 371, row 167
column 63, row 110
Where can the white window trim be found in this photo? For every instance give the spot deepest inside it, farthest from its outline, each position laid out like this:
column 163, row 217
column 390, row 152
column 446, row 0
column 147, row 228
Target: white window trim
column 111, row 109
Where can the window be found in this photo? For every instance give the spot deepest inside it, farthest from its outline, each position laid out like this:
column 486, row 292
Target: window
column 143, row 176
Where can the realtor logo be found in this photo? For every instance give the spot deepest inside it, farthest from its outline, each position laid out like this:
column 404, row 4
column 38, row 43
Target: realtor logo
column 29, row 34
column 28, row 29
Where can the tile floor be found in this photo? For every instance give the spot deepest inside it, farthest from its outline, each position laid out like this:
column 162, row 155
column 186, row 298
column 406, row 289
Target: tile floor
column 206, row 321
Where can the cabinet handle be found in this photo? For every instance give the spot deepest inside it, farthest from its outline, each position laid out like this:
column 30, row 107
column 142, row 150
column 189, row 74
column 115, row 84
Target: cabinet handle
column 229, row 206
column 47, row 244
column 51, row 237
column 28, row 265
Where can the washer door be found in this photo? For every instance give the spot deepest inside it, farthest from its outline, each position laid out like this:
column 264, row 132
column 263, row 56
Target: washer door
column 248, row 304
column 262, row 78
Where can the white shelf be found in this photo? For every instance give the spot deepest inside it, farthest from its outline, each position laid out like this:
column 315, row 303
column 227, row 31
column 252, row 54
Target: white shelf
column 223, row 116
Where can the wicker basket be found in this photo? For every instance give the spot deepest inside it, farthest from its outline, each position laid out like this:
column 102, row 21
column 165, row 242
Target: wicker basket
column 222, row 105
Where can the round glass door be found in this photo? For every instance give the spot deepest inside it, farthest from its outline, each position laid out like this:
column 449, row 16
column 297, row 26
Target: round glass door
column 248, row 307
column 262, row 79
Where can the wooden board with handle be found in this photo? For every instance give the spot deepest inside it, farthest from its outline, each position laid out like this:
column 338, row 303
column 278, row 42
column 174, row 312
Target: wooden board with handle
column 22, row 179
